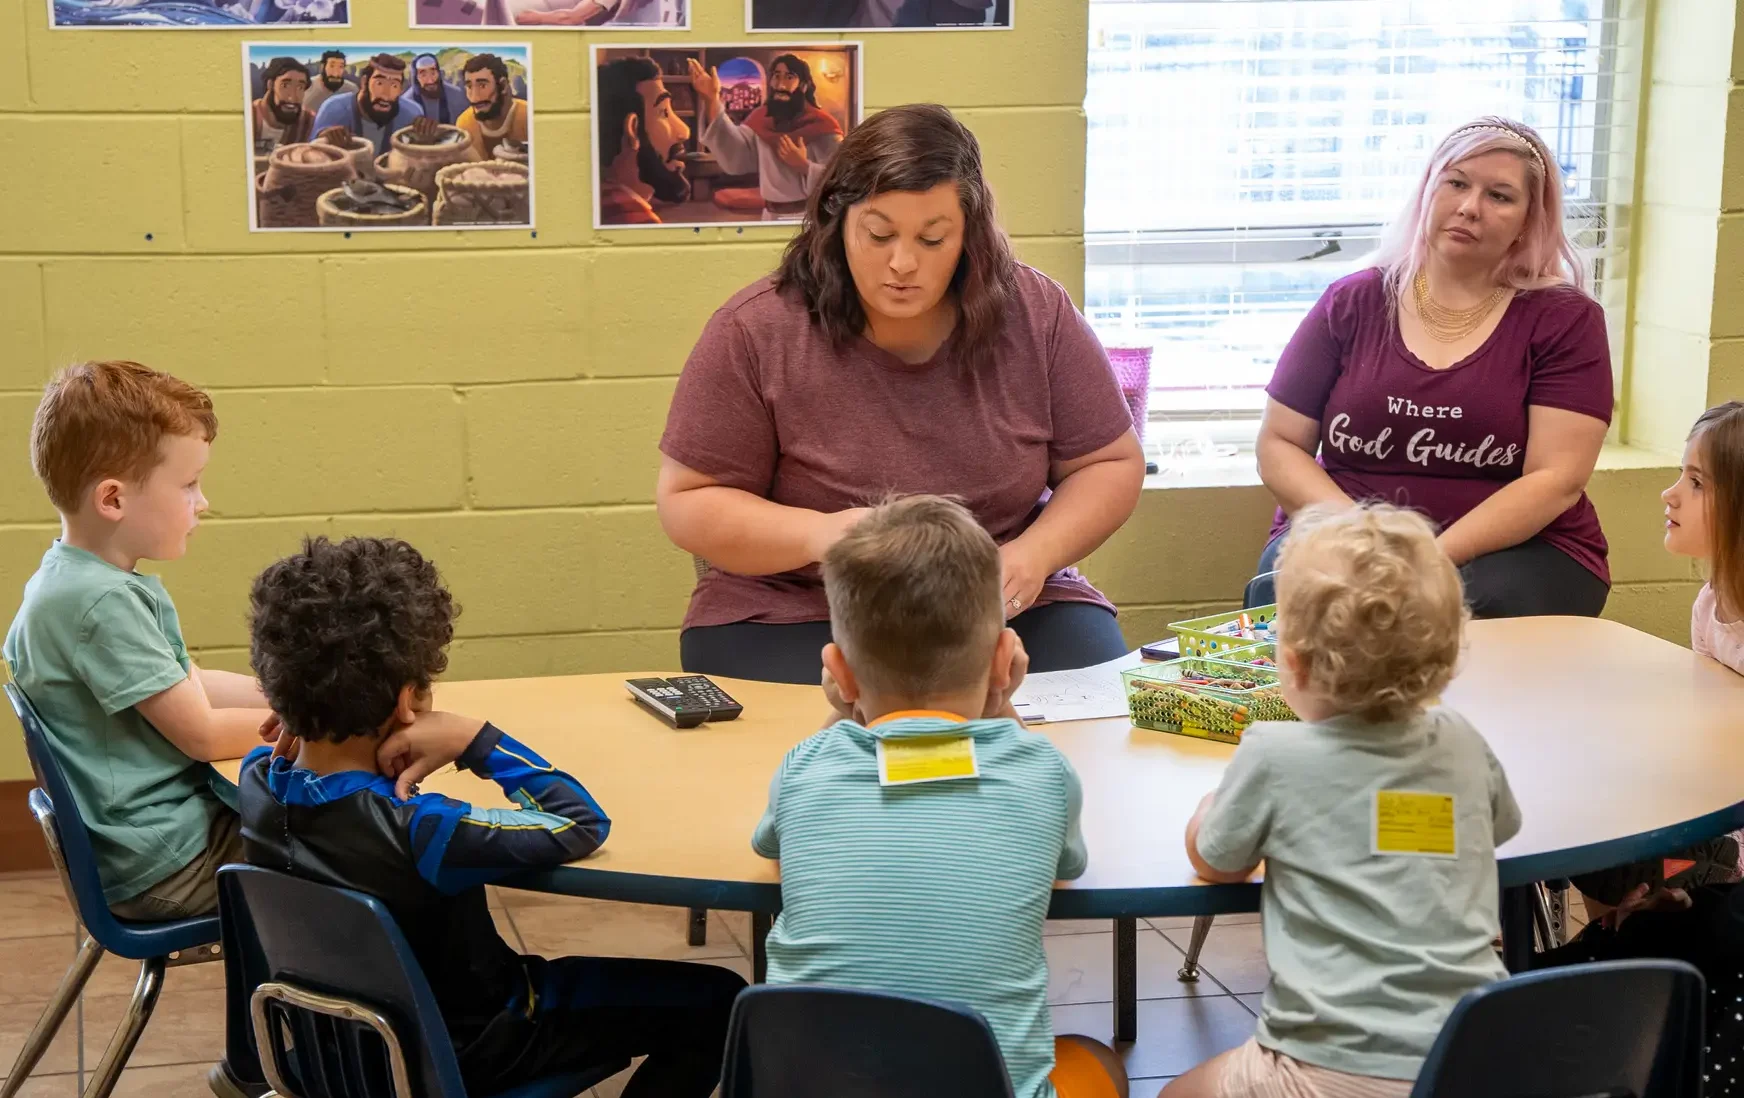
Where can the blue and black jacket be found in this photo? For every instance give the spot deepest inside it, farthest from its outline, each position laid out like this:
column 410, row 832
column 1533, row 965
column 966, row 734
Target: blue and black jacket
column 427, row 859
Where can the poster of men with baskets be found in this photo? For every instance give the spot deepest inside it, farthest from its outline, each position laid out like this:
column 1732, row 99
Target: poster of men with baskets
column 699, row 135
column 355, row 136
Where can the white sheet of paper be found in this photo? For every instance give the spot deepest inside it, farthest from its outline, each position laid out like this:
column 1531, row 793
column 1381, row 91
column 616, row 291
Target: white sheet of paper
column 1085, row 694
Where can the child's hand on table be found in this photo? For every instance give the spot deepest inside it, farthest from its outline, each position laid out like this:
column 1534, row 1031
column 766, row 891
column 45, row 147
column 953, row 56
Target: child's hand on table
column 413, row 752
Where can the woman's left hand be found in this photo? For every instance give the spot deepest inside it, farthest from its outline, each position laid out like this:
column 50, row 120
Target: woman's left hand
column 1024, row 576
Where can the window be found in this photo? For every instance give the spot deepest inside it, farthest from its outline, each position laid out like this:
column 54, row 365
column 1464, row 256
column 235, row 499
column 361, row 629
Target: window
column 1214, row 219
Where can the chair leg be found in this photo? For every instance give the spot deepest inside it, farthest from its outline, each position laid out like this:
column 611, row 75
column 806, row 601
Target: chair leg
column 145, row 992
column 1557, row 893
column 1189, row 973
column 1546, row 921
column 72, row 983
column 698, row 929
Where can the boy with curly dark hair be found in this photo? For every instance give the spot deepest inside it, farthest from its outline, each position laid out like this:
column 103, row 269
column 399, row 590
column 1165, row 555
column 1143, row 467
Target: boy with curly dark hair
column 347, row 639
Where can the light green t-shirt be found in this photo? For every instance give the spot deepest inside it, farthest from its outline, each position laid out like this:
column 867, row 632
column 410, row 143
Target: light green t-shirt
column 1372, row 935
column 91, row 641
column 938, row 889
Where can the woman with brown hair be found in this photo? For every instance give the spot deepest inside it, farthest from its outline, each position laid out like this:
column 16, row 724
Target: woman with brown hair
column 899, row 348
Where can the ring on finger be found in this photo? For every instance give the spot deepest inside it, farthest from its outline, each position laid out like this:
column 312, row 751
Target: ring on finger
column 1016, row 603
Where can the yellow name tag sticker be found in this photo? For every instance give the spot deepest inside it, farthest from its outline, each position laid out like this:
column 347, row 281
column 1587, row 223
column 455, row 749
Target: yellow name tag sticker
column 1414, row 823
column 926, row 759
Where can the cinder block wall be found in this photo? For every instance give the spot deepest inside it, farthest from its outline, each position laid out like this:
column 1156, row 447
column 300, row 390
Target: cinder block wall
column 493, row 397
column 496, row 397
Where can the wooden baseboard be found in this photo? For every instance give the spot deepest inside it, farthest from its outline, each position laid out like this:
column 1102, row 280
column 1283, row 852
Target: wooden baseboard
column 21, row 845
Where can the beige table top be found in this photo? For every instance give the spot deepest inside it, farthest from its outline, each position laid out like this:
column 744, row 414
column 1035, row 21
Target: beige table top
column 1618, row 745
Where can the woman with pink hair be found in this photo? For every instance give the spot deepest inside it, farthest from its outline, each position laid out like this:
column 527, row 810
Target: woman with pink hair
column 1466, row 375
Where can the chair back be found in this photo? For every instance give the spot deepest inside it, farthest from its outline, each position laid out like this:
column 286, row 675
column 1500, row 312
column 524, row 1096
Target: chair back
column 69, row 846
column 797, row 1041
column 1260, row 591
column 342, row 1009
column 1621, row 1029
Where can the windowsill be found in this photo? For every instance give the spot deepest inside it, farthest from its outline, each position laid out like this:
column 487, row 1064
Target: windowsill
column 1619, row 456
column 1239, row 470
column 1236, row 471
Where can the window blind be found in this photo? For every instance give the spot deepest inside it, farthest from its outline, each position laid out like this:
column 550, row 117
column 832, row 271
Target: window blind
column 1244, row 154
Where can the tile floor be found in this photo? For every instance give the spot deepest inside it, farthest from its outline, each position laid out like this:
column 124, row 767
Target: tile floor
column 1179, row 1024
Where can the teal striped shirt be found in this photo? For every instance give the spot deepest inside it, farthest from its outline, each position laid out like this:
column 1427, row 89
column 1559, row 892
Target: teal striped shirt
column 937, row 889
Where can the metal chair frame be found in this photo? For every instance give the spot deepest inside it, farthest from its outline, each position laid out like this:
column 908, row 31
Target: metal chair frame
column 345, row 1010
column 139, row 1008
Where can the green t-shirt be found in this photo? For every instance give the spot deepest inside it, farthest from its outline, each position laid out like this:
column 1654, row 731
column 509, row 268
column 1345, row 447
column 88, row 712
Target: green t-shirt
column 91, row 641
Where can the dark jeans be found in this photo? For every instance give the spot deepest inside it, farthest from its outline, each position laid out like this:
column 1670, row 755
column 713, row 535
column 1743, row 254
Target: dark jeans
column 1058, row 637
column 596, row 1010
column 1532, row 579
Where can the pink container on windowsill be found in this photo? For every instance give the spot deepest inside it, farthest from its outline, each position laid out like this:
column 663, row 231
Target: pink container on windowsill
column 1132, row 368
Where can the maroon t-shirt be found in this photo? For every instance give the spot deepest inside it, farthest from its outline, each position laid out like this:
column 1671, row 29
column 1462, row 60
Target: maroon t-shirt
column 1443, row 441
column 769, row 404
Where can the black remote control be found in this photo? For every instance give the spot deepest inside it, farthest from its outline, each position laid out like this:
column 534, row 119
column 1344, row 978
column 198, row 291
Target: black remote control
column 684, row 702
column 721, row 706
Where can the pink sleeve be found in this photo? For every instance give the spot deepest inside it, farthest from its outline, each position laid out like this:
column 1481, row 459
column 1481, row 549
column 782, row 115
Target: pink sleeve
column 1571, row 360
column 1311, row 362
column 718, row 423
column 1086, row 404
column 1701, row 618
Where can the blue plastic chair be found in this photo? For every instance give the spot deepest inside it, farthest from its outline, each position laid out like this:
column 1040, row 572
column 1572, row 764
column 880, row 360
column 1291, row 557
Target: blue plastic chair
column 799, row 1041
column 1624, row 1029
column 154, row 945
column 344, row 1010
column 1260, row 591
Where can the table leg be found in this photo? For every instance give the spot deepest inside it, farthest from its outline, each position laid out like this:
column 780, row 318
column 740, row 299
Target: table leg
column 699, row 926
column 761, row 921
column 1519, row 913
column 1126, row 979
column 1189, row 973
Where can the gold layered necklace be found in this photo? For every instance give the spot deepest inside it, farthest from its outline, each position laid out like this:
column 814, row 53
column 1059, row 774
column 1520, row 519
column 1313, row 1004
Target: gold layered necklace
column 1450, row 325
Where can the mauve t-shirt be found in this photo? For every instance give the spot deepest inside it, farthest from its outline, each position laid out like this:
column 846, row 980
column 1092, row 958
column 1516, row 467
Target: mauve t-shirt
column 1443, row 441
column 769, row 404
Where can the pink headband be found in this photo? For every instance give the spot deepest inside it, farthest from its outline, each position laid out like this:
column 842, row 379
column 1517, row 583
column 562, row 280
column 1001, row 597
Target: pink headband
column 1515, row 134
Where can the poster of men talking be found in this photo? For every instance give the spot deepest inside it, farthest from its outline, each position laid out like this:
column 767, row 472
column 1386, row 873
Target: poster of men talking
column 352, row 137
column 710, row 135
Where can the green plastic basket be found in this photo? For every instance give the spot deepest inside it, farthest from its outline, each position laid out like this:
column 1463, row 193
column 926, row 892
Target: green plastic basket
column 1202, row 636
column 1264, row 654
column 1157, row 698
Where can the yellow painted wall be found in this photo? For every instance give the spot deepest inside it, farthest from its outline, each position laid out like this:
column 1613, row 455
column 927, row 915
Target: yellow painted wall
column 492, row 397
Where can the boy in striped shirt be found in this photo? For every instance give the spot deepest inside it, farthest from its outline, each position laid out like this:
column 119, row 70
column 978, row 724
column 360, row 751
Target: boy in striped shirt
column 934, row 887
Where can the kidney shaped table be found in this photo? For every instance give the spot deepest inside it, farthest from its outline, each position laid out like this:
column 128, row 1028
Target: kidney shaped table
column 1619, row 746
